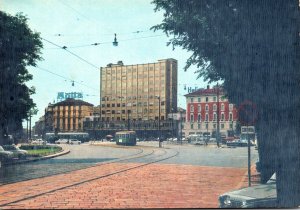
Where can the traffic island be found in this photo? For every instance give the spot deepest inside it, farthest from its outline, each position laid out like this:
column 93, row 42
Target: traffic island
column 38, row 152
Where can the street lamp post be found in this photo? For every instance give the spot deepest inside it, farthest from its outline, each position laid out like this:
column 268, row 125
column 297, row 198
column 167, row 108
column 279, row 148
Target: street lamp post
column 128, row 120
column 160, row 140
column 218, row 117
column 180, row 126
column 172, row 124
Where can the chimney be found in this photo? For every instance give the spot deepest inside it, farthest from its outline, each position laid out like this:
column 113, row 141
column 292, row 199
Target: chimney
column 120, row 63
column 207, row 87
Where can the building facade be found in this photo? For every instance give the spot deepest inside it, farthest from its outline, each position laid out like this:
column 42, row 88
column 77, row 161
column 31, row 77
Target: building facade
column 138, row 91
column 67, row 115
column 205, row 107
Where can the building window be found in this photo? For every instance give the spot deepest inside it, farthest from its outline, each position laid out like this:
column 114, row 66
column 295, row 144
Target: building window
column 192, row 118
column 215, row 116
column 222, row 126
column 206, row 126
column 192, row 100
column 199, row 126
column 206, row 107
column 206, row 117
column 215, row 107
column 199, row 118
column 199, row 108
column 222, row 117
column 230, row 107
column 192, row 108
column 206, row 99
column 215, row 98
column 199, row 99
column 222, row 107
column 192, row 126
column 215, row 126
column 231, row 126
column 230, row 116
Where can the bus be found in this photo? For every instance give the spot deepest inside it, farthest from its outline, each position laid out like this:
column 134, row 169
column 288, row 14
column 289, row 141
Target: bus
column 127, row 138
column 51, row 137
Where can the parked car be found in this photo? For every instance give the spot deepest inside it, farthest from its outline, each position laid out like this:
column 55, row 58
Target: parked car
column 62, row 141
column 5, row 155
column 17, row 152
column 38, row 142
column 239, row 143
column 260, row 196
column 74, row 141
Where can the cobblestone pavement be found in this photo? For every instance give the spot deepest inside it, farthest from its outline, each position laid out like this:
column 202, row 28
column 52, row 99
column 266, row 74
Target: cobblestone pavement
column 113, row 185
column 152, row 186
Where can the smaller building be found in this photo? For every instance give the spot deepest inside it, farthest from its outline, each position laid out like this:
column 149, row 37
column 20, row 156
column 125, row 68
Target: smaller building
column 67, row 115
column 206, row 108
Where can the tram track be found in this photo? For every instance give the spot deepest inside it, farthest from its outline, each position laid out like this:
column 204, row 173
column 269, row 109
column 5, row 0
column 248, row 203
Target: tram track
column 152, row 158
column 138, row 154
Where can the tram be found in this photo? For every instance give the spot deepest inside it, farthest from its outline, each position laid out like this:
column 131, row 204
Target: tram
column 127, row 138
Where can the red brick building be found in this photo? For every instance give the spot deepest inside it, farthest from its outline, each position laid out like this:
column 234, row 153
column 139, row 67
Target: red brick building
column 202, row 115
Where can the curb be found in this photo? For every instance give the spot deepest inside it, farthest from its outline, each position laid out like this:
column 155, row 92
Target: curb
column 63, row 152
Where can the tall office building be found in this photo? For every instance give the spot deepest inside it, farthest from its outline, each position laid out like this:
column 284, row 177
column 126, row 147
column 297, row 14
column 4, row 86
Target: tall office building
column 134, row 91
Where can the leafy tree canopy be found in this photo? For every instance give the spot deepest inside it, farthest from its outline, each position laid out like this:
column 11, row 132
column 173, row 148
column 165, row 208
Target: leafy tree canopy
column 239, row 42
column 19, row 47
column 253, row 46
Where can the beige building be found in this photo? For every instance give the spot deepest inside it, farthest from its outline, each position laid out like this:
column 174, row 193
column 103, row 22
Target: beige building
column 67, row 115
column 136, row 90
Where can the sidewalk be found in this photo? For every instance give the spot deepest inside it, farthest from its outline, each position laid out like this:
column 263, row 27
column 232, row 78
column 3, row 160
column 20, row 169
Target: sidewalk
column 152, row 186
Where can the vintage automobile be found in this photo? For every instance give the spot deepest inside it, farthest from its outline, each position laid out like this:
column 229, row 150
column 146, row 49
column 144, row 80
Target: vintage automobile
column 5, row 155
column 62, row 141
column 16, row 151
column 260, row 196
column 74, row 141
column 239, row 143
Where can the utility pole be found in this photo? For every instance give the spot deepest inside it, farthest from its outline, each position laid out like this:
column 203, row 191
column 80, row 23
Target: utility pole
column 100, row 106
column 180, row 126
column 249, row 158
column 128, row 120
column 160, row 140
column 30, row 126
column 218, row 117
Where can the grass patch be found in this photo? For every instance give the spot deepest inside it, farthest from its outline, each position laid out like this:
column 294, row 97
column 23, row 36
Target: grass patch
column 39, row 152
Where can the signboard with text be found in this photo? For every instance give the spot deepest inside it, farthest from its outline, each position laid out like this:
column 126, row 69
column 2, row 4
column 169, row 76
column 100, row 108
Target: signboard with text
column 62, row 95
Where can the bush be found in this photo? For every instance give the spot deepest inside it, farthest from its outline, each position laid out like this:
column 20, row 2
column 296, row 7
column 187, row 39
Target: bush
column 35, row 147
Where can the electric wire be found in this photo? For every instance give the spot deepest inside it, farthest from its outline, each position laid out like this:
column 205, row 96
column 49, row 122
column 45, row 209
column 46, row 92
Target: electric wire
column 65, row 48
column 100, row 43
column 66, row 78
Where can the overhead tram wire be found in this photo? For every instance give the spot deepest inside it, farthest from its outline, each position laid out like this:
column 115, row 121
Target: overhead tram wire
column 65, row 48
column 100, row 43
column 66, row 78
column 106, row 34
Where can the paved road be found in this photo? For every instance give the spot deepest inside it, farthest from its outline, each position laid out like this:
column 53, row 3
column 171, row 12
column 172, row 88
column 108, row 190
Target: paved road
column 193, row 178
column 81, row 156
column 207, row 155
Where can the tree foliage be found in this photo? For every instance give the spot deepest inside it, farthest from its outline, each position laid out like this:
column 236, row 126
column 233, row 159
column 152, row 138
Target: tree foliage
column 20, row 47
column 253, row 46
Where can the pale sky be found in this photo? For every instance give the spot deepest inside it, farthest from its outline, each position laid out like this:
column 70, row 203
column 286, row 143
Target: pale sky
column 84, row 22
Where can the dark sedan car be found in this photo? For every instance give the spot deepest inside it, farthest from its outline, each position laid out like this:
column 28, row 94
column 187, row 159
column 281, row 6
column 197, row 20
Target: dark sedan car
column 239, row 143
